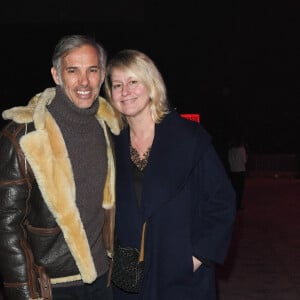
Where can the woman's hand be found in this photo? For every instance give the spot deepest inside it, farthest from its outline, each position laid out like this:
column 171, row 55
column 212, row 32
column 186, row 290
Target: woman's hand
column 197, row 263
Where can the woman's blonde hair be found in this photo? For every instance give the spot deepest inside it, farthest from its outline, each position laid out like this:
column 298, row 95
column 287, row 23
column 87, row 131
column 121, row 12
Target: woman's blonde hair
column 145, row 70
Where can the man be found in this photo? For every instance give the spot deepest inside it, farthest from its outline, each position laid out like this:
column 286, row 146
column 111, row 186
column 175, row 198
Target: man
column 237, row 158
column 57, row 183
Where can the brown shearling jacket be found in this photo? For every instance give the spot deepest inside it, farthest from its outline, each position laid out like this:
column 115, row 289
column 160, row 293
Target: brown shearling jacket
column 35, row 172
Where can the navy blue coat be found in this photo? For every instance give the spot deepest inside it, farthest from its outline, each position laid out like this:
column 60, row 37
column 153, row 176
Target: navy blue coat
column 189, row 204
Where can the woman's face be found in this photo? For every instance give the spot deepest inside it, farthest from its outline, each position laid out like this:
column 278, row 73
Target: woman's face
column 130, row 96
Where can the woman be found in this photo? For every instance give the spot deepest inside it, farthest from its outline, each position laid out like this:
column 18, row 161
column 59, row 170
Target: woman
column 169, row 175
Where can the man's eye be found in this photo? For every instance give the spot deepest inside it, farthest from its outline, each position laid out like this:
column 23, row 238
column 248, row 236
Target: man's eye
column 94, row 70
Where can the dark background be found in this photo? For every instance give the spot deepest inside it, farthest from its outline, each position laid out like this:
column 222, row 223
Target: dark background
column 234, row 63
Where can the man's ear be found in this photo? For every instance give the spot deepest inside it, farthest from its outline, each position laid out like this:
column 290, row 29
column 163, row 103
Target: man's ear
column 55, row 75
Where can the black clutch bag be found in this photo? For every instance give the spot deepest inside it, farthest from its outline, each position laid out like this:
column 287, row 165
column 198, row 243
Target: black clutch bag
column 128, row 266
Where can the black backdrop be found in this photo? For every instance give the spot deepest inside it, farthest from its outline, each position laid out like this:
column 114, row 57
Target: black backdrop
column 235, row 64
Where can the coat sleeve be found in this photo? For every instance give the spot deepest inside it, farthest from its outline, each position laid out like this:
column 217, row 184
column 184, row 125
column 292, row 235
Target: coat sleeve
column 214, row 217
column 16, row 263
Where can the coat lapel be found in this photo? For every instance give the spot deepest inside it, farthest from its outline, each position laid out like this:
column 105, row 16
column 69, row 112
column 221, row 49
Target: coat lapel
column 170, row 163
column 46, row 152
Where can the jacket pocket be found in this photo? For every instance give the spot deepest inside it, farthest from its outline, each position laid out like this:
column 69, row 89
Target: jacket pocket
column 46, row 244
column 43, row 231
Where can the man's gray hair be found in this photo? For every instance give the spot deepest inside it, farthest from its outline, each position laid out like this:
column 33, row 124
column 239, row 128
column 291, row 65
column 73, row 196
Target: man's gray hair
column 69, row 42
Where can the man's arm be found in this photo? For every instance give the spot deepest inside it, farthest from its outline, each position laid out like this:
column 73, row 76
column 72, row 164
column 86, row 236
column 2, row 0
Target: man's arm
column 16, row 261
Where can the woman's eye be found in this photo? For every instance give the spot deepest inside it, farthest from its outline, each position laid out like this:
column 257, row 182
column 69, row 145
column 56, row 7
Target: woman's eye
column 132, row 82
column 116, row 86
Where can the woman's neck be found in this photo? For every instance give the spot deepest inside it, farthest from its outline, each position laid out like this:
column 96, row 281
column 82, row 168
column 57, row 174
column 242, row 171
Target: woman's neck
column 142, row 136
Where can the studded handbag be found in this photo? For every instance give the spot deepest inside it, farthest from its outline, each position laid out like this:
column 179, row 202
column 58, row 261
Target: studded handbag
column 128, row 266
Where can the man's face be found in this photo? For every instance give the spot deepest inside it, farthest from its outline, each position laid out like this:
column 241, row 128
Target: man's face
column 81, row 76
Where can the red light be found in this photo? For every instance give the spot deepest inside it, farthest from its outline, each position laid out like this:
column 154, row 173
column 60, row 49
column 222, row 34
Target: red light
column 193, row 117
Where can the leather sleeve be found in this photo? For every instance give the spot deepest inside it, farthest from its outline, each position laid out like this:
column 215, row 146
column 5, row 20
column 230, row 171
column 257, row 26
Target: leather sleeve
column 16, row 261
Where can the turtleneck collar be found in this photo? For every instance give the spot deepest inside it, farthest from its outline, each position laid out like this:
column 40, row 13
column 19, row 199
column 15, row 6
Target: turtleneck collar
column 65, row 110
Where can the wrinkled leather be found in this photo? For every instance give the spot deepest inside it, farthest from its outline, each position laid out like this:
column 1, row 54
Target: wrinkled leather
column 30, row 236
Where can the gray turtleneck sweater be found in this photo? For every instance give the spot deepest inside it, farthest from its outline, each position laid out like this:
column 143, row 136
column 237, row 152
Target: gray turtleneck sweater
column 86, row 147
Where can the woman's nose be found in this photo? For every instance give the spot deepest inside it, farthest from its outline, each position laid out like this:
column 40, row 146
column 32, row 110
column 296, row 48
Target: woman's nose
column 125, row 89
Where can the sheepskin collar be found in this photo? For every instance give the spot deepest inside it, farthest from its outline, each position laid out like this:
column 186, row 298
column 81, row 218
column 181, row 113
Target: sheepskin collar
column 36, row 109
